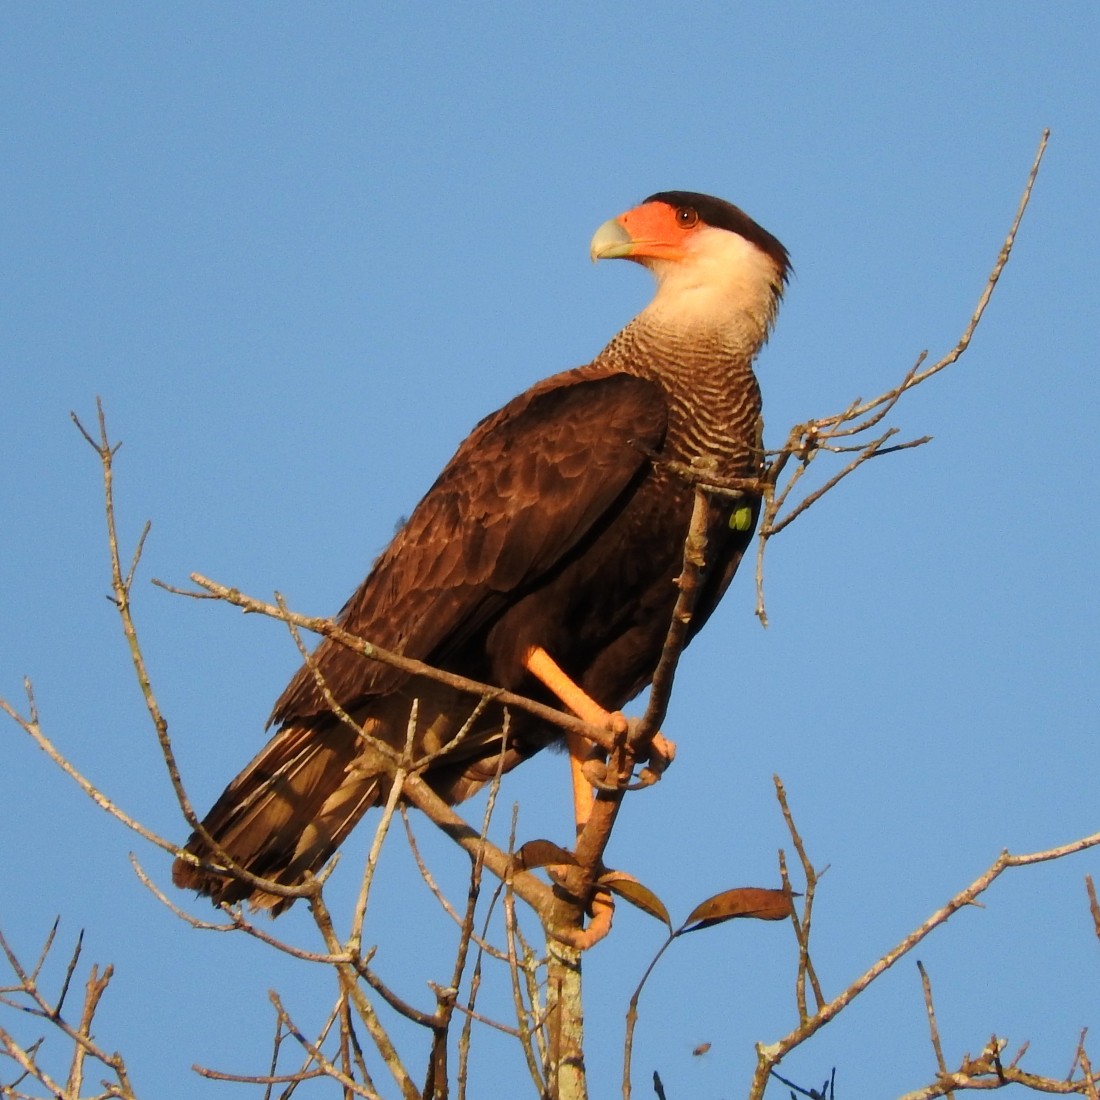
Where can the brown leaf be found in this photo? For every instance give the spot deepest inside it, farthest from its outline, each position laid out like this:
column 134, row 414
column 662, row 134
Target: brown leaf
column 542, row 853
column 630, row 889
column 743, row 901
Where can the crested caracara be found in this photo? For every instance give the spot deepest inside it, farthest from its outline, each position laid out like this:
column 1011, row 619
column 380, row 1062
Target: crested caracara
column 542, row 560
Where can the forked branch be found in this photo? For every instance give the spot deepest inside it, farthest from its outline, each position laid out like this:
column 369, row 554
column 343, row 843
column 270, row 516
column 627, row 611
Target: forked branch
column 770, row 1055
column 27, row 995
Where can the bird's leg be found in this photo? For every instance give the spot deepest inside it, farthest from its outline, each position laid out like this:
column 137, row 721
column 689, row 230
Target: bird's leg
column 601, row 905
column 544, row 668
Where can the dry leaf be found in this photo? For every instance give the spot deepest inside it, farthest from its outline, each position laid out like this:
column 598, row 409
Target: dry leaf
column 542, row 853
column 630, row 889
column 743, row 901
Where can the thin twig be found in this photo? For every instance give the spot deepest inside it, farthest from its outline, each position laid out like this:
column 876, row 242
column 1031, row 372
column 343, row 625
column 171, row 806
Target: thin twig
column 806, row 441
column 933, row 1028
column 31, row 726
column 121, row 586
column 801, row 926
column 329, row 629
column 36, row 1003
column 349, row 974
column 1094, row 905
column 596, row 834
column 772, row 1054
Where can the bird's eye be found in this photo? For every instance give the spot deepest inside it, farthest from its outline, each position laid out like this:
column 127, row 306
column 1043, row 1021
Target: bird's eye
column 686, row 217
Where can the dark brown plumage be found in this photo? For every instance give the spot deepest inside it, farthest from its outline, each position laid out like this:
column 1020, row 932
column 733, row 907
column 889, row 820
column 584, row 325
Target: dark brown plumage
column 556, row 525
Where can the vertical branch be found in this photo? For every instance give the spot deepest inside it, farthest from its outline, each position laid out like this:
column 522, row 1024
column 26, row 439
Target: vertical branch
column 566, row 939
column 537, row 1032
column 695, row 549
column 593, row 840
column 355, row 939
column 348, row 977
column 1094, row 905
column 800, row 938
column 120, row 587
column 632, row 1014
column 801, row 927
column 446, row 999
column 521, row 976
column 93, row 991
column 565, row 1019
column 933, row 1028
column 1087, row 1076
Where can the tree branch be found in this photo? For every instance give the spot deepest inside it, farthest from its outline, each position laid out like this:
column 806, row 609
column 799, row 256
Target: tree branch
column 769, row 1056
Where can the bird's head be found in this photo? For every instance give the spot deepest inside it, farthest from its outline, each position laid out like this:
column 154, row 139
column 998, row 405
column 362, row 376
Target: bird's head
column 713, row 264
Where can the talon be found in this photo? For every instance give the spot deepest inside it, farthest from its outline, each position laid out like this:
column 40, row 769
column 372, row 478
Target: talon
column 617, row 722
column 594, row 771
column 662, row 752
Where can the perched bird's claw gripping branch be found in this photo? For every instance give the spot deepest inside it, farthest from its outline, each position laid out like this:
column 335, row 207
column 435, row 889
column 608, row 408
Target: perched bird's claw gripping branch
column 656, row 750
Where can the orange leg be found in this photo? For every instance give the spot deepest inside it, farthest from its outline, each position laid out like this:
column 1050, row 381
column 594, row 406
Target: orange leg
column 543, row 667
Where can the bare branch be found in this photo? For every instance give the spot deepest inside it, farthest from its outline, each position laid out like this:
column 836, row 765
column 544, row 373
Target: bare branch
column 695, row 549
column 1094, row 905
column 772, row 1054
column 121, row 586
column 329, row 629
column 31, row 726
column 801, row 926
column 987, row 1072
column 28, row 996
column 806, row 442
column 933, row 1029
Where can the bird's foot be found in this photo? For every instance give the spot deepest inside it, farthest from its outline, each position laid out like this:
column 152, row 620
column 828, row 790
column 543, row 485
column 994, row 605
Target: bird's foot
column 658, row 754
column 662, row 752
column 597, row 774
column 617, row 722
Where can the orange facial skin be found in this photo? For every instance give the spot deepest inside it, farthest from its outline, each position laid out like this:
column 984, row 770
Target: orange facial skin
column 652, row 231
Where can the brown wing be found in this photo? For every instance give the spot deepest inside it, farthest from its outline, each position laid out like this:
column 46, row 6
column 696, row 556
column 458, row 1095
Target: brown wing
column 520, row 493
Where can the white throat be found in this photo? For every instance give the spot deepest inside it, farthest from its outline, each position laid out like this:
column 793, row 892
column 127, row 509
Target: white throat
column 725, row 287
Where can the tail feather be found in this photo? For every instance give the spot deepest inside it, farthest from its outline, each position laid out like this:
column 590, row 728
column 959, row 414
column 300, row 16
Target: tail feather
column 284, row 815
column 308, row 787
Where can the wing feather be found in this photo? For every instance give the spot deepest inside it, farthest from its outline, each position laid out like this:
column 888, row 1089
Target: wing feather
column 523, row 490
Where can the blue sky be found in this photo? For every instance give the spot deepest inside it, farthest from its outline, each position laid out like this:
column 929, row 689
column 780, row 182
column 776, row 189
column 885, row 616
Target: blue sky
column 300, row 251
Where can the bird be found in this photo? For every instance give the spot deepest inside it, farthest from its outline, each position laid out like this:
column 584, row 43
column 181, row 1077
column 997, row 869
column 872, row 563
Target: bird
column 542, row 560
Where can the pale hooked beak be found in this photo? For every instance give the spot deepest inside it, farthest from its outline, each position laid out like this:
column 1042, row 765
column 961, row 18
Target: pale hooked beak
column 611, row 242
